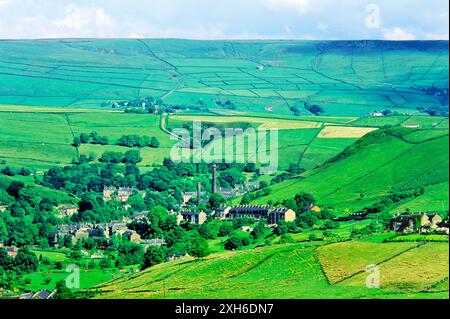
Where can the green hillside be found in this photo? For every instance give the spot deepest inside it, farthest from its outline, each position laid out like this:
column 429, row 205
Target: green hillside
column 287, row 271
column 385, row 161
column 346, row 78
column 42, row 138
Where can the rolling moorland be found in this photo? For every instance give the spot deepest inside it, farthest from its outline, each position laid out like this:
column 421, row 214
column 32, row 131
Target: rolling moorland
column 358, row 121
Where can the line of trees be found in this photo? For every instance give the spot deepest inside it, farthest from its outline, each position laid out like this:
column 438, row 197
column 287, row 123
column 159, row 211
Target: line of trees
column 138, row 141
column 126, row 140
column 92, row 138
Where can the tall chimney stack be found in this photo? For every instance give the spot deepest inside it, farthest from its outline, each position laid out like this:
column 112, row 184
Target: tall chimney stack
column 214, row 179
column 199, row 193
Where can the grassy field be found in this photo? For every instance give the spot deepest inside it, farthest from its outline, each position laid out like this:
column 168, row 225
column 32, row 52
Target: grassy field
column 262, row 123
column 88, row 278
column 53, row 256
column 346, row 78
column 343, row 260
column 41, row 139
column 308, row 143
column 344, row 132
column 279, row 271
column 390, row 163
column 414, row 270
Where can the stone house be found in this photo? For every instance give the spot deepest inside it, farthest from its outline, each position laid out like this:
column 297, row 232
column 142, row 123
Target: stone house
column 124, row 193
column 197, row 218
column 153, row 243
column 132, row 236
column 108, row 193
column 11, row 251
column 66, row 211
column 80, row 234
column 421, row 223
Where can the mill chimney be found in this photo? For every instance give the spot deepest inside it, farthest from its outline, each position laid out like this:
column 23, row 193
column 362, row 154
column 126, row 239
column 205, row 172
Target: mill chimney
column 214, row 179
column 199, row 193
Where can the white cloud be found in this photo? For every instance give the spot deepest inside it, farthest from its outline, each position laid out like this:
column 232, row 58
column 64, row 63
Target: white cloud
column 398, row 34
column 79, row 18
column 301, row 6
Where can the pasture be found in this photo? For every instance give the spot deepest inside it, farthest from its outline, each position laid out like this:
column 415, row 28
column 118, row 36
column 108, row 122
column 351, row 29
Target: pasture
column 42, row 139
column 343, row 260
column 344, row 132
column 277, row 271
column 418, row 269
column 391, row 163
column 346, row 78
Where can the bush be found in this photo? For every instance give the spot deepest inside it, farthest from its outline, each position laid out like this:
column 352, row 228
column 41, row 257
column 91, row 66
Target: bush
column 238, row 240
column 154, row 256
column 286, row 239
column 24, row 172
column 8, row 171
column 225, row 229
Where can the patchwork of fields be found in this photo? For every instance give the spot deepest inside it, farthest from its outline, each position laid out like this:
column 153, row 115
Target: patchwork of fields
column 293, row 271
column 320, row 96
column 40, row 140
column 345, row 78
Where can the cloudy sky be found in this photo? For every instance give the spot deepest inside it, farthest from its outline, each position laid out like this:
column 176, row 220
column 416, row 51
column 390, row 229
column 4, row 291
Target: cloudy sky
column 226, row 19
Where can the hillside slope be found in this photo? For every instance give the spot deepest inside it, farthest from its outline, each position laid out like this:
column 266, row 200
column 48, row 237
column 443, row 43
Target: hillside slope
column 389, row 160
column 346, row 78
column 280, row 271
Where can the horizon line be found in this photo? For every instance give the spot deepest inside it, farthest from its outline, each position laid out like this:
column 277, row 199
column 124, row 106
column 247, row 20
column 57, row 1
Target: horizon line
column 221, row 39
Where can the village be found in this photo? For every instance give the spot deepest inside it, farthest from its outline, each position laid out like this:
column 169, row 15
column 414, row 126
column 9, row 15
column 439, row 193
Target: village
column 422, row 223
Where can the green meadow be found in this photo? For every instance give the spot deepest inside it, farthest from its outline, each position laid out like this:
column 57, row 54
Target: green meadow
column 346, row 78
column 308, row 270
column 382, row 163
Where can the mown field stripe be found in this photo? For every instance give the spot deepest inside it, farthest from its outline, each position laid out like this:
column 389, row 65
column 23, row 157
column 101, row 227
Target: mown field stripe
column 379, row 263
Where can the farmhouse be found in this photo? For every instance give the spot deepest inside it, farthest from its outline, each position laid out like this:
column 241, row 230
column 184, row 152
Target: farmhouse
column 412, row 126
column 132, row 236
column 67, row 211
column 197, row 218
column 316, row 209
column 80, row 234
column 108, row 193
column 377, row 114
column 116, row 228
column 139, row 215
column 122, row 194
column 97, row 256
column 153, row 243
column 10, row 250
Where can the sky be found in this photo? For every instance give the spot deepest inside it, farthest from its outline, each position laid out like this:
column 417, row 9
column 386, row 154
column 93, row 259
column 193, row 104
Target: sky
column 226, row 19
